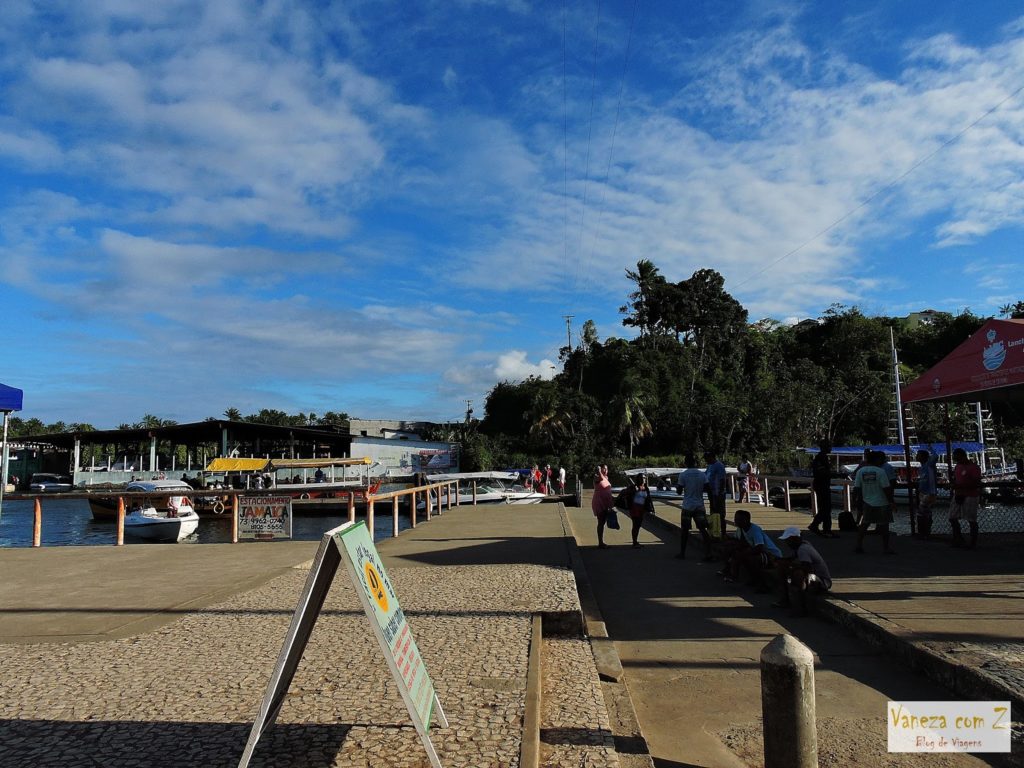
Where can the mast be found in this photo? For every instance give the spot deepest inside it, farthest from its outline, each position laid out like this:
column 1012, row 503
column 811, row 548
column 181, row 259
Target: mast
column 900, row 433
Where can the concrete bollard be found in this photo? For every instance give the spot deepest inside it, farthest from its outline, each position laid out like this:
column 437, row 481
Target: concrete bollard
column 787, row 704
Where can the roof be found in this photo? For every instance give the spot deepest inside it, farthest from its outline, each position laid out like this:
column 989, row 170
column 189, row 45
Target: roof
column 896, row 449
column 238, row 465
column 314, row 463
column 988, row 366
column 196, row 433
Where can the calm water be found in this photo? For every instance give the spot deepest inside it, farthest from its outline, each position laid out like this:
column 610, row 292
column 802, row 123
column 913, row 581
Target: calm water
column 69, row 521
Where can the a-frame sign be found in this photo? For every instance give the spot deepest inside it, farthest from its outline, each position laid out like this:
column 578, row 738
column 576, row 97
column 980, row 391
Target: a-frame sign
column 351, row 544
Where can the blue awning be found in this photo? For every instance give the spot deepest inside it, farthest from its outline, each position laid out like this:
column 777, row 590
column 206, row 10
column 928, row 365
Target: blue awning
column 897, row 449
column 10, row 398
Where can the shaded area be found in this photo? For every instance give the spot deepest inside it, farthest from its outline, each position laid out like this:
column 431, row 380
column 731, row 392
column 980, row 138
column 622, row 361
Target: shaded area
column 28, row 743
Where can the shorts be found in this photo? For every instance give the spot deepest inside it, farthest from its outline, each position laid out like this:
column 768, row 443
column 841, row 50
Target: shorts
column 924, row 508
column 698, row 516
column 876, row 515
column 964, row 510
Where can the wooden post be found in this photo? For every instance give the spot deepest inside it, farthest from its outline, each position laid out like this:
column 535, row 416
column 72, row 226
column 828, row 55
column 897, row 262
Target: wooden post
column 785, row 490
column 814, row 503
column 428, row 501
column 474, row 493
column 234, row 519
column 37, row 522
column 369, row 516
column 412, row 507
column 453, row 490
column 120, row 522
column 457, row 492
column 847, row 497
column 394, row 516
column 351, row 506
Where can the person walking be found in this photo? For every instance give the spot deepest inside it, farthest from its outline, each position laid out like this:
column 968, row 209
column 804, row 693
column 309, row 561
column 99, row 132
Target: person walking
column 821, row 484
column 746, row 469
column 639, row 503
column 966, row 497
column 877, row 496
column 715, row 479
column 927, row 491
column 561, row 480
column 690, row 485
column 602, row 501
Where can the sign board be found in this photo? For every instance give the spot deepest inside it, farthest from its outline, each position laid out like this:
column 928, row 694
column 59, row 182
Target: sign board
column 381, row 604
column 351, row 543
column 264, row 517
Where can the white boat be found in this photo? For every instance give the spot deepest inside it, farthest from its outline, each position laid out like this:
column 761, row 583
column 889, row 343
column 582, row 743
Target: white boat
column 661, row 481
column 491, row 488
column 44, row 482
column 173, row 520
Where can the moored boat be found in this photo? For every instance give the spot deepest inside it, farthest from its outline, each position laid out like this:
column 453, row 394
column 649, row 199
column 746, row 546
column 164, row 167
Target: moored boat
column 490, row 488
column 172, row 521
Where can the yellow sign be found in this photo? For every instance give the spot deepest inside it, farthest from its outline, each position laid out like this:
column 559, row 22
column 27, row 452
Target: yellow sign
column 376, row 586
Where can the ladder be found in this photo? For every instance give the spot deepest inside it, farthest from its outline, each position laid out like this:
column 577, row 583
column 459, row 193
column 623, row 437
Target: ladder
column 992, row 456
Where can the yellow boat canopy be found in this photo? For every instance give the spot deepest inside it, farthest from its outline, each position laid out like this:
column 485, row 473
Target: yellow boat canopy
column 238, row 465
column 319, row 463
column 266, row 465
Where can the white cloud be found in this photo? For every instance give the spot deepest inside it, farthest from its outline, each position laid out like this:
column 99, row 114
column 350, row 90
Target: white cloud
column 513, row 366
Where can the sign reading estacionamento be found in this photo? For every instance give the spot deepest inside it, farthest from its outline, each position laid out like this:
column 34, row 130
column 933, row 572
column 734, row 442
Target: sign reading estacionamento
column 351, row 544
column 264, row 517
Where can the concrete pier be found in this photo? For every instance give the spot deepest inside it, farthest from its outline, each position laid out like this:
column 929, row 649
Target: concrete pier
column 159, row 654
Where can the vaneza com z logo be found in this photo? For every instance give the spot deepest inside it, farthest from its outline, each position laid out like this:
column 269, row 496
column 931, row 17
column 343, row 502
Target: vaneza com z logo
column 994, row 354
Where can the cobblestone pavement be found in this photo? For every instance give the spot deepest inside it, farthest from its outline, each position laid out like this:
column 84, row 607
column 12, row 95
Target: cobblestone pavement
column 186, row 694
column 575, row 730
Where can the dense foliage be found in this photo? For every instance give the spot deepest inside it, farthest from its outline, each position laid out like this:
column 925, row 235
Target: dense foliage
column 701, row 376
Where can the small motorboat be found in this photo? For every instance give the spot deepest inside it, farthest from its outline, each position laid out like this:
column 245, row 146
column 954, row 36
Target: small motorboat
column 172, row 522
column 491, row 488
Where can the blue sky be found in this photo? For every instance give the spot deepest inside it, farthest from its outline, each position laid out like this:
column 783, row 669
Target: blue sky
column 384, row 208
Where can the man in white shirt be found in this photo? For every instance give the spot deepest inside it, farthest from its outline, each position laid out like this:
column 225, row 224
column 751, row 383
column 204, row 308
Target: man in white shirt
column 805, row 574
column 690, row 485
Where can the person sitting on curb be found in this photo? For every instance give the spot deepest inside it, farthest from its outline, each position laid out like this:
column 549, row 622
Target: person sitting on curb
column 803, row 575
column 750, row 551
column 877, row 493
column 690, row 485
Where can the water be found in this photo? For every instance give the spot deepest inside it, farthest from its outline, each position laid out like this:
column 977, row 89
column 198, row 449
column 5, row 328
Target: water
column 69, row 522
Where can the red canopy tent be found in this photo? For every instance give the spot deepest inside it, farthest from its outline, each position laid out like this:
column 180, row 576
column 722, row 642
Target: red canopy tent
column 988, row 366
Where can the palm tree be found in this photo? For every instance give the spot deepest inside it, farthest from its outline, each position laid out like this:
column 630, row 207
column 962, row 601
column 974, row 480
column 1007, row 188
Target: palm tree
column 233, row 414
column 628, row 407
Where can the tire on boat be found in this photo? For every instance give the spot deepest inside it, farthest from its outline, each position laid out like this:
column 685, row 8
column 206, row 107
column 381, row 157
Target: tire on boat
column 218, row 507
column 303, row 495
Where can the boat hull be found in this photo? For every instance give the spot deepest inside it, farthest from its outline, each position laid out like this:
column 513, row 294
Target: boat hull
column 165, row 529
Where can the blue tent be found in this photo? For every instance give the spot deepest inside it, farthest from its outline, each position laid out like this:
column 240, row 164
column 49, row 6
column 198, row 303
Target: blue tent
column 10, row 398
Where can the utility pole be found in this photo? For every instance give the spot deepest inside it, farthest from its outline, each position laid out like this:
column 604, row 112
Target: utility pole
column 568, row 329
column 469, row 410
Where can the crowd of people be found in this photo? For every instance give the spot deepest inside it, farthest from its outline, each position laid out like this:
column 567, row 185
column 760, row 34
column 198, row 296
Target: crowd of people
column 791, row 565
column 545, row 479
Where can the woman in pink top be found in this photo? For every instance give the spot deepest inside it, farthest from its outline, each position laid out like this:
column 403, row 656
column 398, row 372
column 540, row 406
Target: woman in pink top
column 602, row 501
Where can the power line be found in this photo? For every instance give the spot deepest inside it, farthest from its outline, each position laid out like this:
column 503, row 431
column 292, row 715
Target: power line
column 880, row 191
